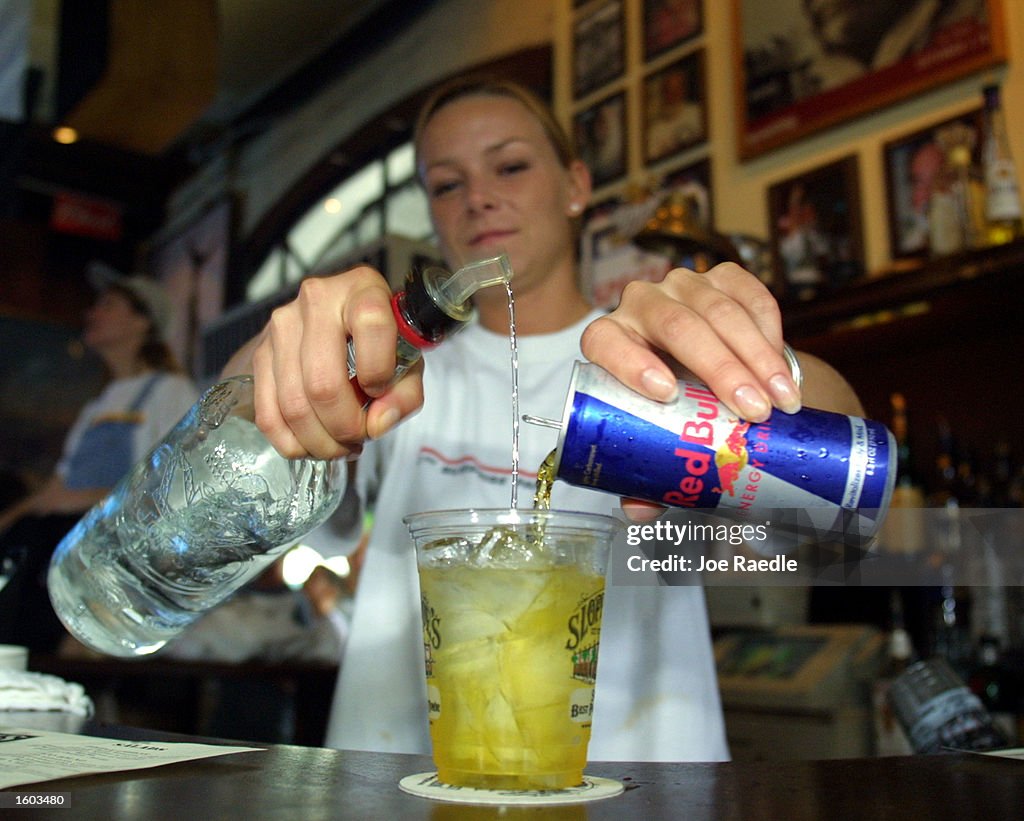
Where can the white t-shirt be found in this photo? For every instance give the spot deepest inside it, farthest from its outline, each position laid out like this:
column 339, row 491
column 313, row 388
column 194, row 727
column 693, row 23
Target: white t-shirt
column 170, row 397
column 657, row 696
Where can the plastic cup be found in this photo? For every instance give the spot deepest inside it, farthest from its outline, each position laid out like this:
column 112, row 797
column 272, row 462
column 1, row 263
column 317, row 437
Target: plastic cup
column 511, row 605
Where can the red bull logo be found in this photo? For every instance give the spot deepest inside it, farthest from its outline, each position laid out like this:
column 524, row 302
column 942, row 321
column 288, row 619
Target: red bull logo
column 732, row 458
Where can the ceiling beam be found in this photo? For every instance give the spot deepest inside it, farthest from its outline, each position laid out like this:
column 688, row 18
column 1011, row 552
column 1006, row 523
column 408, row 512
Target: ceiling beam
column 161, row 75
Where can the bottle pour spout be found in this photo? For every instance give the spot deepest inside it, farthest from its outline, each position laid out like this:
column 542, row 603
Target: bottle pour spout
column 469, row 279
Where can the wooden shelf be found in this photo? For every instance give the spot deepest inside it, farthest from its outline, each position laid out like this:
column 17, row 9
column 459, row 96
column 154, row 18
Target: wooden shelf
column 948, row 335
column 976, row 277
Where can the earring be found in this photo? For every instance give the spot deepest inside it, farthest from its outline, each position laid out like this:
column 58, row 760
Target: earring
column 575, row 208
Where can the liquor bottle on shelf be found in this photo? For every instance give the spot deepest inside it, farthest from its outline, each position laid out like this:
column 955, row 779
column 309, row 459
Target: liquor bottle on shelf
column 1005, row 478
column 889, row 736
column 941, row 490
column 951, row 633
column 961, row 180
column 903, row 530
column 1002, row 189
column 981, row 564
column 966, row 486
column 946, row 209
column 971, row 200
column 996, row 686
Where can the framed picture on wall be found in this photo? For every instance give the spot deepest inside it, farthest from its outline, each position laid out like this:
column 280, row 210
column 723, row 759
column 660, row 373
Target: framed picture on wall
column 675, row 111
column 694, row 178
column 600, row 133
column 599, row 53
column 816, row 229
column 913, row 173
column 669, row 23
column 804, row 65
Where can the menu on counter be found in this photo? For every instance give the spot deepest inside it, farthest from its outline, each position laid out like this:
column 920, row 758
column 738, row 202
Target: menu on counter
column 1015, row 752
column 29, row 756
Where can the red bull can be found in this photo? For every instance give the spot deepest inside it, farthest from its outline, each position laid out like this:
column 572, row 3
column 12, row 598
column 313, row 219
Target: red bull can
column 837, row 471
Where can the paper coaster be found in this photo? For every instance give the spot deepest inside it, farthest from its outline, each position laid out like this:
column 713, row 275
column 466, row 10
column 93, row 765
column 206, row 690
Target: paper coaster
column 426, row 785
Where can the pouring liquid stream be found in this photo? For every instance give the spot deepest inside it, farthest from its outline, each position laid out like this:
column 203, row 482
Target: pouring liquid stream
column 514, row 349
column 546, row 472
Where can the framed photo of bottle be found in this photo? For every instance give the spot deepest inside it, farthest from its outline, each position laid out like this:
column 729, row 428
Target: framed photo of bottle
column 816, row 229
column 801, row 66
column 914, row 172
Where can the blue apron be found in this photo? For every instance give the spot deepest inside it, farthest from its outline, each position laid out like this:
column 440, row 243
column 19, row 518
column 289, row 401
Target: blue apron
column 104, row 453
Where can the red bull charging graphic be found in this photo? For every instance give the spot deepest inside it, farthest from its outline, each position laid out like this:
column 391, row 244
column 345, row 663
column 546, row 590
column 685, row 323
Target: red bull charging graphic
column 694, row 453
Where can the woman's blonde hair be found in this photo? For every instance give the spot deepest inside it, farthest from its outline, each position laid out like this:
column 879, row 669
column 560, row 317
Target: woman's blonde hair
column 488, row 85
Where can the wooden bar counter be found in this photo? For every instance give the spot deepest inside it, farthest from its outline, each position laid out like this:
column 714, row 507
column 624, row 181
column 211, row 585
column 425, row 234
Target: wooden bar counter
column 309, row 783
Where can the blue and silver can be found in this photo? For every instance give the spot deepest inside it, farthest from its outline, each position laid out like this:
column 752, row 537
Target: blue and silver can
column 836, row 472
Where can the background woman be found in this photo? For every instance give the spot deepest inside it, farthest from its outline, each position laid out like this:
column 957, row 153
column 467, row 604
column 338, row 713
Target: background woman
column 146, row 394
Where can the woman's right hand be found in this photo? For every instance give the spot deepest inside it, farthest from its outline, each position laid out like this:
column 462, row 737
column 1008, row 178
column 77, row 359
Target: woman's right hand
column 305, row 404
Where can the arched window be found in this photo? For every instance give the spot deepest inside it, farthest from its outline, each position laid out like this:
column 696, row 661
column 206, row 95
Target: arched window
column 382, row 197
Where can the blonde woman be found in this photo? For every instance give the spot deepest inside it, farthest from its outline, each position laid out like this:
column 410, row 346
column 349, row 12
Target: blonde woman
column 500, row 175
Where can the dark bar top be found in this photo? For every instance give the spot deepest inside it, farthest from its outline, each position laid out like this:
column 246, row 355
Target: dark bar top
column 308, row 783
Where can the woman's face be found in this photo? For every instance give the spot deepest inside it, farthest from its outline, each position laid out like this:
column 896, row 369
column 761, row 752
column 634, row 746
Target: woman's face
column 113, row 321
column 495, row 184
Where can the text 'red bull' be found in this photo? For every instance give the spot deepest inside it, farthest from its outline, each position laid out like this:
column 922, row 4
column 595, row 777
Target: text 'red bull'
column 697, row 437
column 695, row 463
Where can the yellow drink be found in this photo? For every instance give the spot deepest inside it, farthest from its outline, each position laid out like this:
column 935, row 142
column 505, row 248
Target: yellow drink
column 511, row 656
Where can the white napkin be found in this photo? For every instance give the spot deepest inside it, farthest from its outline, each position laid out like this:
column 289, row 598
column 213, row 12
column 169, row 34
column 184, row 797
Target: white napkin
column 42, row 692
